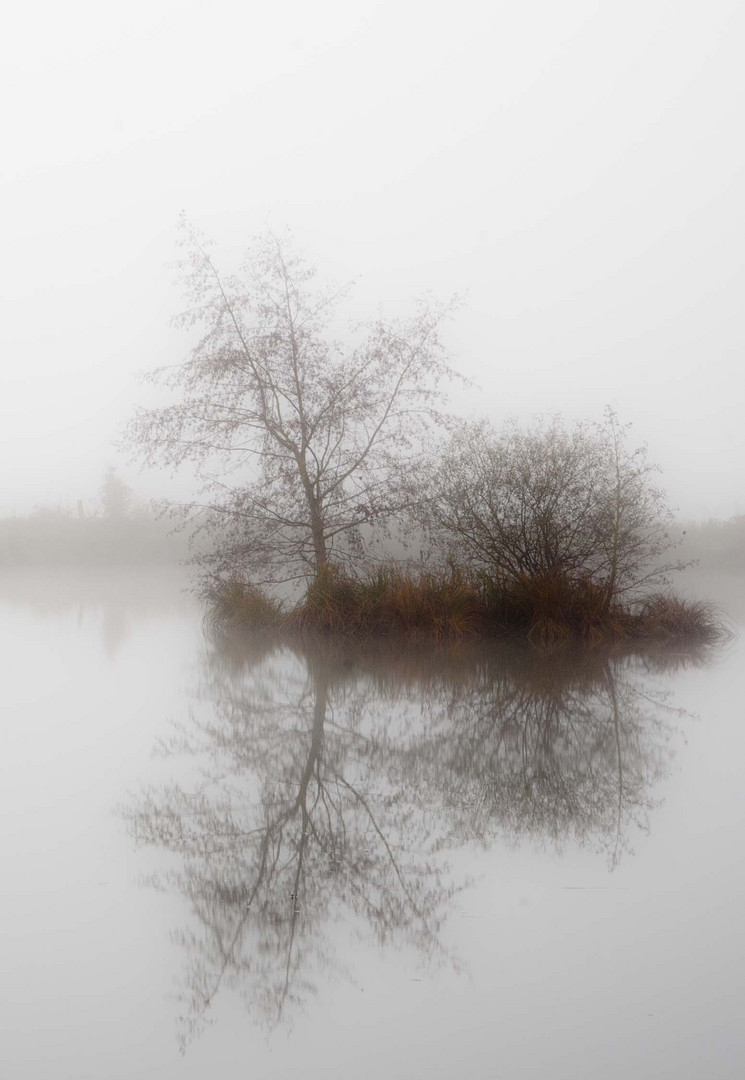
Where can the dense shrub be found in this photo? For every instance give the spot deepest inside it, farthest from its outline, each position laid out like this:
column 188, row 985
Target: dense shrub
column 556, row 505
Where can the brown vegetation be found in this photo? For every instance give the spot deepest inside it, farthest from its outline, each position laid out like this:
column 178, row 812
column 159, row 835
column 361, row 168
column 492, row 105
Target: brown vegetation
column 236, row 605
column 664, row 616
column 544, row 609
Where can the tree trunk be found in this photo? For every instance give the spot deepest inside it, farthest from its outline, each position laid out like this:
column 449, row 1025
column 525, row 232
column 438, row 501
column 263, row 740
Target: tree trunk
column 616, row 545
column 613, row 577
column 320, row 555
column 315, row 510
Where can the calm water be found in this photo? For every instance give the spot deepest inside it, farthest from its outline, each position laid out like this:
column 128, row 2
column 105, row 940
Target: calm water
column 329, row 862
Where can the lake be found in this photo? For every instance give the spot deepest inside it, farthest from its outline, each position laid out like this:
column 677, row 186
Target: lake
column 323, row 860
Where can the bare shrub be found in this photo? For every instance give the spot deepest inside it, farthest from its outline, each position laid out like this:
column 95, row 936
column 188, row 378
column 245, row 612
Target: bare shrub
column 551, row 503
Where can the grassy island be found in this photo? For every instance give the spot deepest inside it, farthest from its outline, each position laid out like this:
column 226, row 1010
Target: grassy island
column 390, row 602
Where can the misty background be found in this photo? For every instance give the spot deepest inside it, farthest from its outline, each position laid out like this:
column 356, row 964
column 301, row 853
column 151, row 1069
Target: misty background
column 574, row 169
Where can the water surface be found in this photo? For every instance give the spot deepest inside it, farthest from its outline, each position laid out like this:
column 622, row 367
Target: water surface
column 338, row 861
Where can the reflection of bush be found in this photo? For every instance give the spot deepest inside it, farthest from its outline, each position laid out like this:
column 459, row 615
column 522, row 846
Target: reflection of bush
column 334, row 777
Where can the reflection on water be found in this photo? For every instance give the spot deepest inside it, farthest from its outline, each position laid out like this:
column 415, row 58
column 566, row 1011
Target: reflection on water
column 334, row 780
column 115, row 601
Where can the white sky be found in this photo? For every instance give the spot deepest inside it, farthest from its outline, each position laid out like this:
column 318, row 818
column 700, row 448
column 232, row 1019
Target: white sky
column 575, row 166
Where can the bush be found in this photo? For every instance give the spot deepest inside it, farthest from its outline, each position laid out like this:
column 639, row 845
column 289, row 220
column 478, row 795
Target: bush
column 556, row 505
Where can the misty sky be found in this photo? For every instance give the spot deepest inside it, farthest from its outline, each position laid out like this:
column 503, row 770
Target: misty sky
column 575, row 167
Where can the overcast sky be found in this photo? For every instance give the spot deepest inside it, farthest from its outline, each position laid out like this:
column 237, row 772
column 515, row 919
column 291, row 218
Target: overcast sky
column 576, row 167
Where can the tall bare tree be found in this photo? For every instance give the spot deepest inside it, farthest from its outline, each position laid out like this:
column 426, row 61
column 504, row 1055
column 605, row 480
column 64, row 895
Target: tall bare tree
column 300, row 442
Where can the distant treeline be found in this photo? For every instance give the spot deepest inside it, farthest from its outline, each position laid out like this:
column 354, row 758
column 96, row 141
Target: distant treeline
column 60, row 538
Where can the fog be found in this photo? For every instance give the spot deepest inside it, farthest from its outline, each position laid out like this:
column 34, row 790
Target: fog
column 573, row 169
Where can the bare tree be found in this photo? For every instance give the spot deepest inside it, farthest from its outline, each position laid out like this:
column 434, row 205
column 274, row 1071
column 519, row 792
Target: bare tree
column 519, row 502
column 633, row 526
column 552, row 499
column 300, row 443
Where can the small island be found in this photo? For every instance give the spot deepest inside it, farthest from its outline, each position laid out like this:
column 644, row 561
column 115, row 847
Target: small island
column 545, row 610
column 340, row 496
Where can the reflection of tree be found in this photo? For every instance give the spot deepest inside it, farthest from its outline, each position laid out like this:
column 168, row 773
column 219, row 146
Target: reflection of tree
column 114, row 628
column 281, row 834
column 334, row 776
column 546, row 747
column 116, row 599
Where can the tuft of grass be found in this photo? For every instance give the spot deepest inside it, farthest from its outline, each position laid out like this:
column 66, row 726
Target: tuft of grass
column 392, row 601
column 444, row 605
column 332, row 603
column 236, row 604
column 551, row 608
column 663, row 616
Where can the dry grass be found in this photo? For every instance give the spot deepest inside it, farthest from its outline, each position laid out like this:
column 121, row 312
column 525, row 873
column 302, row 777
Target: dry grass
column 546, row 610
column 664, row 617
column 549, row 608
column 391, row 601
column 236, row 605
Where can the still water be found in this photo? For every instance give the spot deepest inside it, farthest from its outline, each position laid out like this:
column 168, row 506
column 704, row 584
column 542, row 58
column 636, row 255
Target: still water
column 321, row 861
